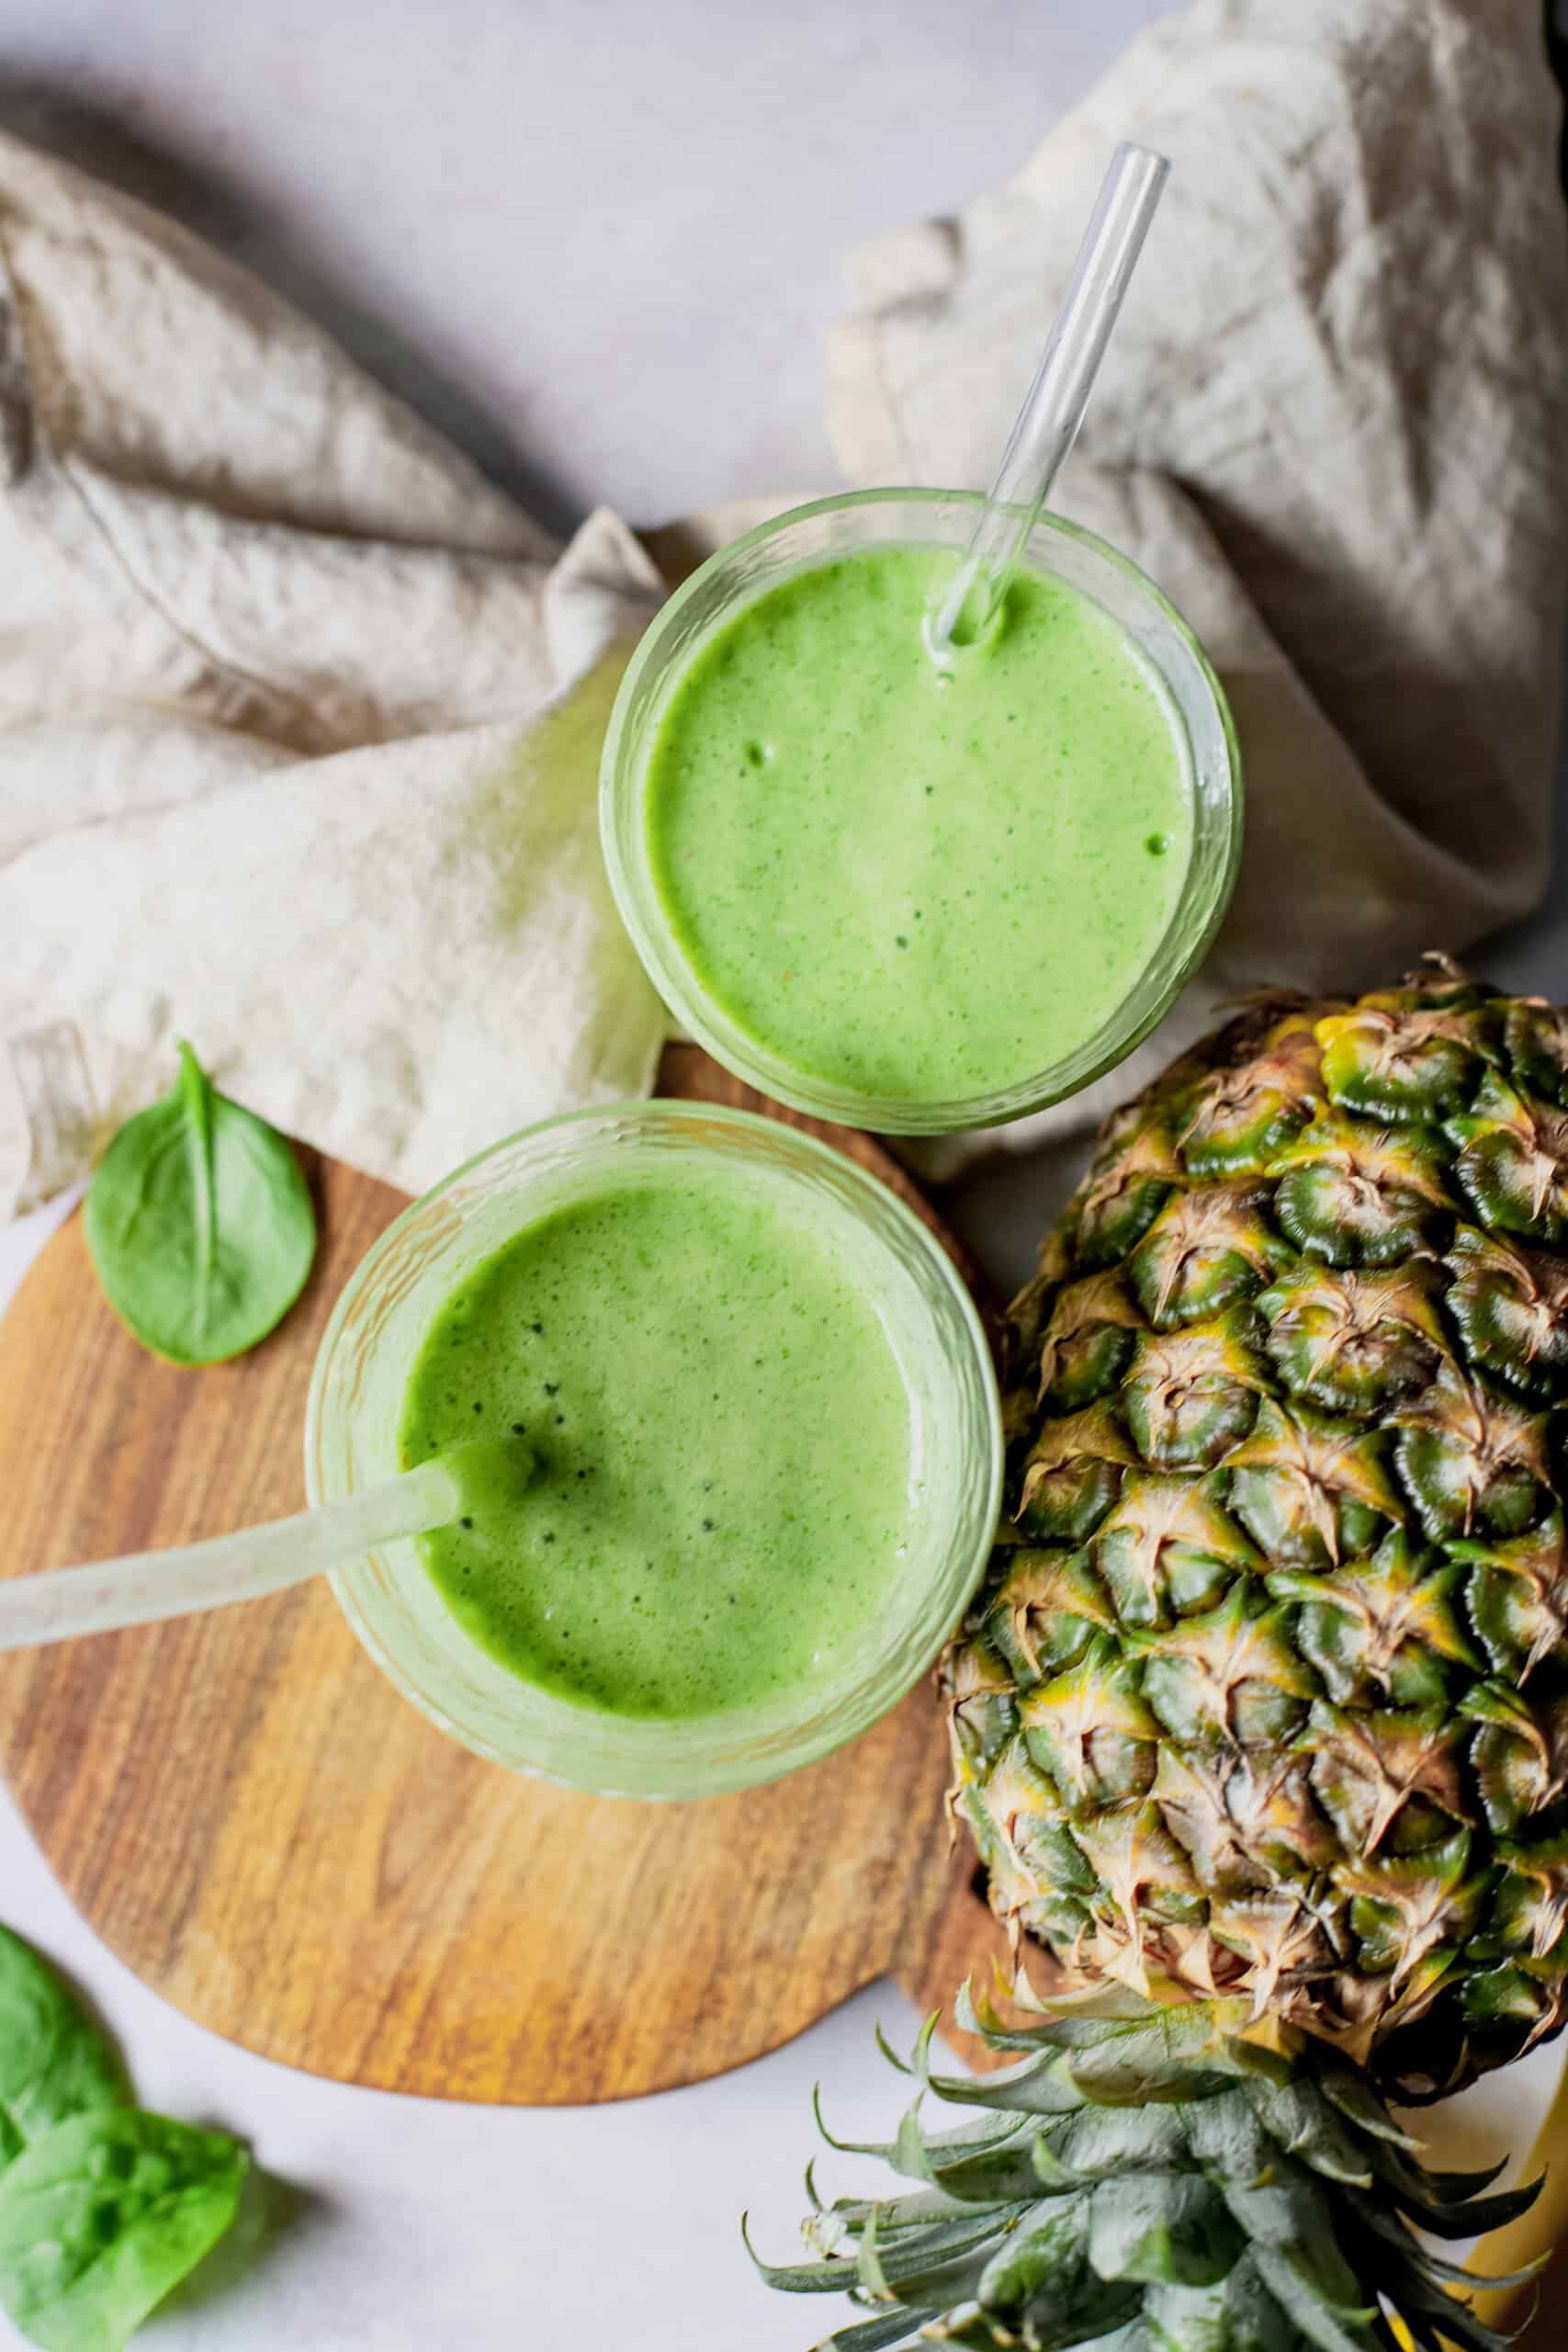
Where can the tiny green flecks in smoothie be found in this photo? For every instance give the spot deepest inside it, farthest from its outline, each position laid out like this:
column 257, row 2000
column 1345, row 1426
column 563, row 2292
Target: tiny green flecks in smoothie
column 718, row 1470
column 931, row 885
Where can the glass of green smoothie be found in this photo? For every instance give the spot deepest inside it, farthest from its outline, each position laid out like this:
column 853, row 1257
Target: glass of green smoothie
column 911, row 892
column 761, row 1435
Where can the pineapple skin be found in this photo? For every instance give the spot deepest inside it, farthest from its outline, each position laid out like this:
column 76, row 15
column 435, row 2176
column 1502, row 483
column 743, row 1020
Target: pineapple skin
column 1265, row 1698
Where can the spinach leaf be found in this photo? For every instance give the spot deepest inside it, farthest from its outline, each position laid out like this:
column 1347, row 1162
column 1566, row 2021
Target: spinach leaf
column 54, row 2061
column 200, row 1224
column 103, row 2215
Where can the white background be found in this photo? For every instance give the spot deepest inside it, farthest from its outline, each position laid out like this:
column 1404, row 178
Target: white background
column 599, row 244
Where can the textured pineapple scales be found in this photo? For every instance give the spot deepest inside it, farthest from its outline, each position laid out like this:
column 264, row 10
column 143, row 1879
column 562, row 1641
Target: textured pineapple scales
column 1267, row 1694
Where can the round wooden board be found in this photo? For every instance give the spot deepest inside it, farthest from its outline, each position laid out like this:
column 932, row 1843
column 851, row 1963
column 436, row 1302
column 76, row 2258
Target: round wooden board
column 256, row 1821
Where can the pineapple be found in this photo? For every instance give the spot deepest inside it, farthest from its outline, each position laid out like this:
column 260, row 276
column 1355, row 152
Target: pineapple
column 1260, row 1720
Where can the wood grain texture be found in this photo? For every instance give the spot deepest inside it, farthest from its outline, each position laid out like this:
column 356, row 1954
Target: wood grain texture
column 275, row 1841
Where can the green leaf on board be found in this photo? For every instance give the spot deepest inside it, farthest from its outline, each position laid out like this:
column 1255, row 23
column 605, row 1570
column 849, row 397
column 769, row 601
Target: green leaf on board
column 200, row 1224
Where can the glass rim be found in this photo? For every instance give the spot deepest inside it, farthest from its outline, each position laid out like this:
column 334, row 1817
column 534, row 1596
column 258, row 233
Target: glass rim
column 638, row 898
column 654, row 1758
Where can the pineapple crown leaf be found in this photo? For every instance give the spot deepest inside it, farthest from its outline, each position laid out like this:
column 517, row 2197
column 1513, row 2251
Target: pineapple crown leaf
column 870, row 2335
column 1297, row 2115
column 1359, row 2104
column 920, row 2064
column 1435, row 2266
column 1435, row 2319
column 792, row 2277
column 963, row 2008
column 1451, row 2205
column 902, row 2065
column 1231, row 2202
column 977, row 2013
column 868, row 2266
column 1332, row 2327
column 1018, row 2080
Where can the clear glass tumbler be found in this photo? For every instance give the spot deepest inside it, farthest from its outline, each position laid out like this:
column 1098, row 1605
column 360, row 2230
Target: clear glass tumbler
column 356, row 1403
column 940, row 518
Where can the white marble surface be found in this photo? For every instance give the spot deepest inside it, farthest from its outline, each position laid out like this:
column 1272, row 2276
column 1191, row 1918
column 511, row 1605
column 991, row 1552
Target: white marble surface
column 600, row 246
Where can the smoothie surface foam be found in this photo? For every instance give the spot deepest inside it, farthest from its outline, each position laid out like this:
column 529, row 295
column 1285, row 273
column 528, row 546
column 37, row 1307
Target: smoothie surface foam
column 919, row 885
column 726, row 1459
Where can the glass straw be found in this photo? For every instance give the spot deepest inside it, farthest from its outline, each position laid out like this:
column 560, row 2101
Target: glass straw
column 1052, row 410
column 139, row 1587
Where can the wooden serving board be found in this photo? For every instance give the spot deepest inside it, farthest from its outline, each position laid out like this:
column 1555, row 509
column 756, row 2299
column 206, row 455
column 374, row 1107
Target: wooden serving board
column 274, row 1839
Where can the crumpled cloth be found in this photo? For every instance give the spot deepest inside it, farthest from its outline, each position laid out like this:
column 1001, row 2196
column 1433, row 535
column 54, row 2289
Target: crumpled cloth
column 300, row 717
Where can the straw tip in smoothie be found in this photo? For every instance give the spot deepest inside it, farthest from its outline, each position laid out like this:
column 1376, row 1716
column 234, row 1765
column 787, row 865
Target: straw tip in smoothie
column 492, row 1473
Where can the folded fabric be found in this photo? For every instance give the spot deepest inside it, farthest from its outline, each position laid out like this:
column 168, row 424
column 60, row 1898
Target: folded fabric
column 1333, row 425
column 300, row 717
column 299, row 724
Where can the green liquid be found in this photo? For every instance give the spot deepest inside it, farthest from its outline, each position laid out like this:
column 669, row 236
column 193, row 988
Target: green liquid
column 917, row 887
column 725, row 1478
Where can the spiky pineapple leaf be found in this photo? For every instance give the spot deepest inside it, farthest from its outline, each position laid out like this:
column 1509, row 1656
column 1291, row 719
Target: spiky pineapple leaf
column 1290, row 2211
column 1356, row 2100
column 1474, row 2219
column 831, row 2276
column 987, row 2161
column 1171, row 2226
column 1175, row 2054
column 1450, row 2274
column 916, row 2211
column 1227, row 2138
column 1239, row 2314
column 877, row 2335
column 1446, row 2319
column 1101, row 2141
column 941, row 2261
column 1297, row 2115
column 1332, row 2327
column 1039, row 2085
column 1268, row 2212
column 1048, row 2251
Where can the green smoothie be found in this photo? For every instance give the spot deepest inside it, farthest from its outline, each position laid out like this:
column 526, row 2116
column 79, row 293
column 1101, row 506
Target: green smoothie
column 725, row 1475
column 921, row 883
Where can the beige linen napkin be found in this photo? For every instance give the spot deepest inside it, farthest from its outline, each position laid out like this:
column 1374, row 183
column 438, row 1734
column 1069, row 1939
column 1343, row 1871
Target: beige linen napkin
column 299, row 724
column 1334, row 427
column 299, row 718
